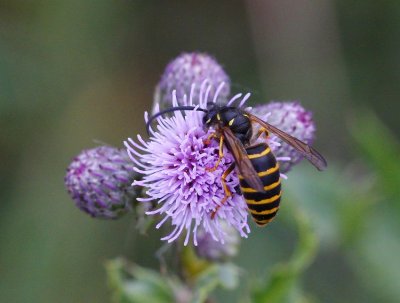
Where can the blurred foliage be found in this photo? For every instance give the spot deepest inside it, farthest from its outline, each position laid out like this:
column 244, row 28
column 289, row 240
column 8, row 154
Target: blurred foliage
column 280, row 285
column 380, row 150
column 133, row 284
column 75, row 71
column 377, row 246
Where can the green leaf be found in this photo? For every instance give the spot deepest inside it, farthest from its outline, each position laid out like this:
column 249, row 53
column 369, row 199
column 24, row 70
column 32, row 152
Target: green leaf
column 375, row 256
column 339, row 201
column 282, row 280
column 134, row 284
column 380, row 148
column 225, row 275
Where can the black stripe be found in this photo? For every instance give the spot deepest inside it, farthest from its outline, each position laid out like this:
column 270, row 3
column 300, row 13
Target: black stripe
column 258, row 196
column 263, row 163
column 264, row 217
column 256, row 149
column 263, row 207
column 266, row 180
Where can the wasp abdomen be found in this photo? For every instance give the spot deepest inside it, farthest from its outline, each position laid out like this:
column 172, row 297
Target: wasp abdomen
column 263, row 206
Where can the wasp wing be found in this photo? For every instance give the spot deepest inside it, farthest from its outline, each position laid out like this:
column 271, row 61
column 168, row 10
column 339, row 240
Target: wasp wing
column 242, row 161
column 307, row 151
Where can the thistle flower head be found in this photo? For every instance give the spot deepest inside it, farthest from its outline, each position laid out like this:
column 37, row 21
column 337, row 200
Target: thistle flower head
column 174, row 164
column 188, row 69
column 99, row 181
column 293, row 119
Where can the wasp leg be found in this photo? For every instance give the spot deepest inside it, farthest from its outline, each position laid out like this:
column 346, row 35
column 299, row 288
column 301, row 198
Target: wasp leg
column 210, row 136
column 261, row 131
column 220, row 154
column 227, row 191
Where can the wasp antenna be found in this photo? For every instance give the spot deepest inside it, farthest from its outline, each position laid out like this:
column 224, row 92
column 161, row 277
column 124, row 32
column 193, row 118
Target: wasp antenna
column 169, row 110
column 218, row 91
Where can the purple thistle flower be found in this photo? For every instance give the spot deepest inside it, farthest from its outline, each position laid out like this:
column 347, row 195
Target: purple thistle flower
column 293, row 119
column 188, row 69
column 99, row 181
column 173, row 163
column 211, row 250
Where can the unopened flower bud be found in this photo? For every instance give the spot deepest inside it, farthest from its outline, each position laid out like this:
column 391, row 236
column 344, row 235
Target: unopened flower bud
column 191, row 69
column 293, row 119
column 99, row 181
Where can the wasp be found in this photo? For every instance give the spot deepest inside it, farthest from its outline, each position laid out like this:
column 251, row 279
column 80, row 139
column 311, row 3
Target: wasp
column 257, row 167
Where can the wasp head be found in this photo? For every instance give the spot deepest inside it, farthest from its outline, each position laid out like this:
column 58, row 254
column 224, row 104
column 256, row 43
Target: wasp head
column 210, row 117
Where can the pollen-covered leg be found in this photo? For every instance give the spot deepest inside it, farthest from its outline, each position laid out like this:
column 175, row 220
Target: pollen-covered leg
column 220, row 156
column 227, row 191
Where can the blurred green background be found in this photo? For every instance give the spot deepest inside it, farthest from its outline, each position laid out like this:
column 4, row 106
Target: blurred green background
column 73, row 72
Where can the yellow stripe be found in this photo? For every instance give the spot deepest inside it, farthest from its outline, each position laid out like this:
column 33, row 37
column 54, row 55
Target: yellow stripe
column 263, row 222
column 265, row 173
column 264, row 153
column 265, row 212
column 265, row 201
column 268, row 187
column 231, row 122
column 269, row 171
column 218, row 117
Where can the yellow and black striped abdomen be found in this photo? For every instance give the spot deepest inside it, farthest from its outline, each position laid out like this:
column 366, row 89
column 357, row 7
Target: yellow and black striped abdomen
column 263, row 206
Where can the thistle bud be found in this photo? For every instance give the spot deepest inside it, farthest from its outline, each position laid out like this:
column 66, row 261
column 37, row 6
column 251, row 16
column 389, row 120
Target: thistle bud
column 191, row 69
column 99, row 181
column 293, row 119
